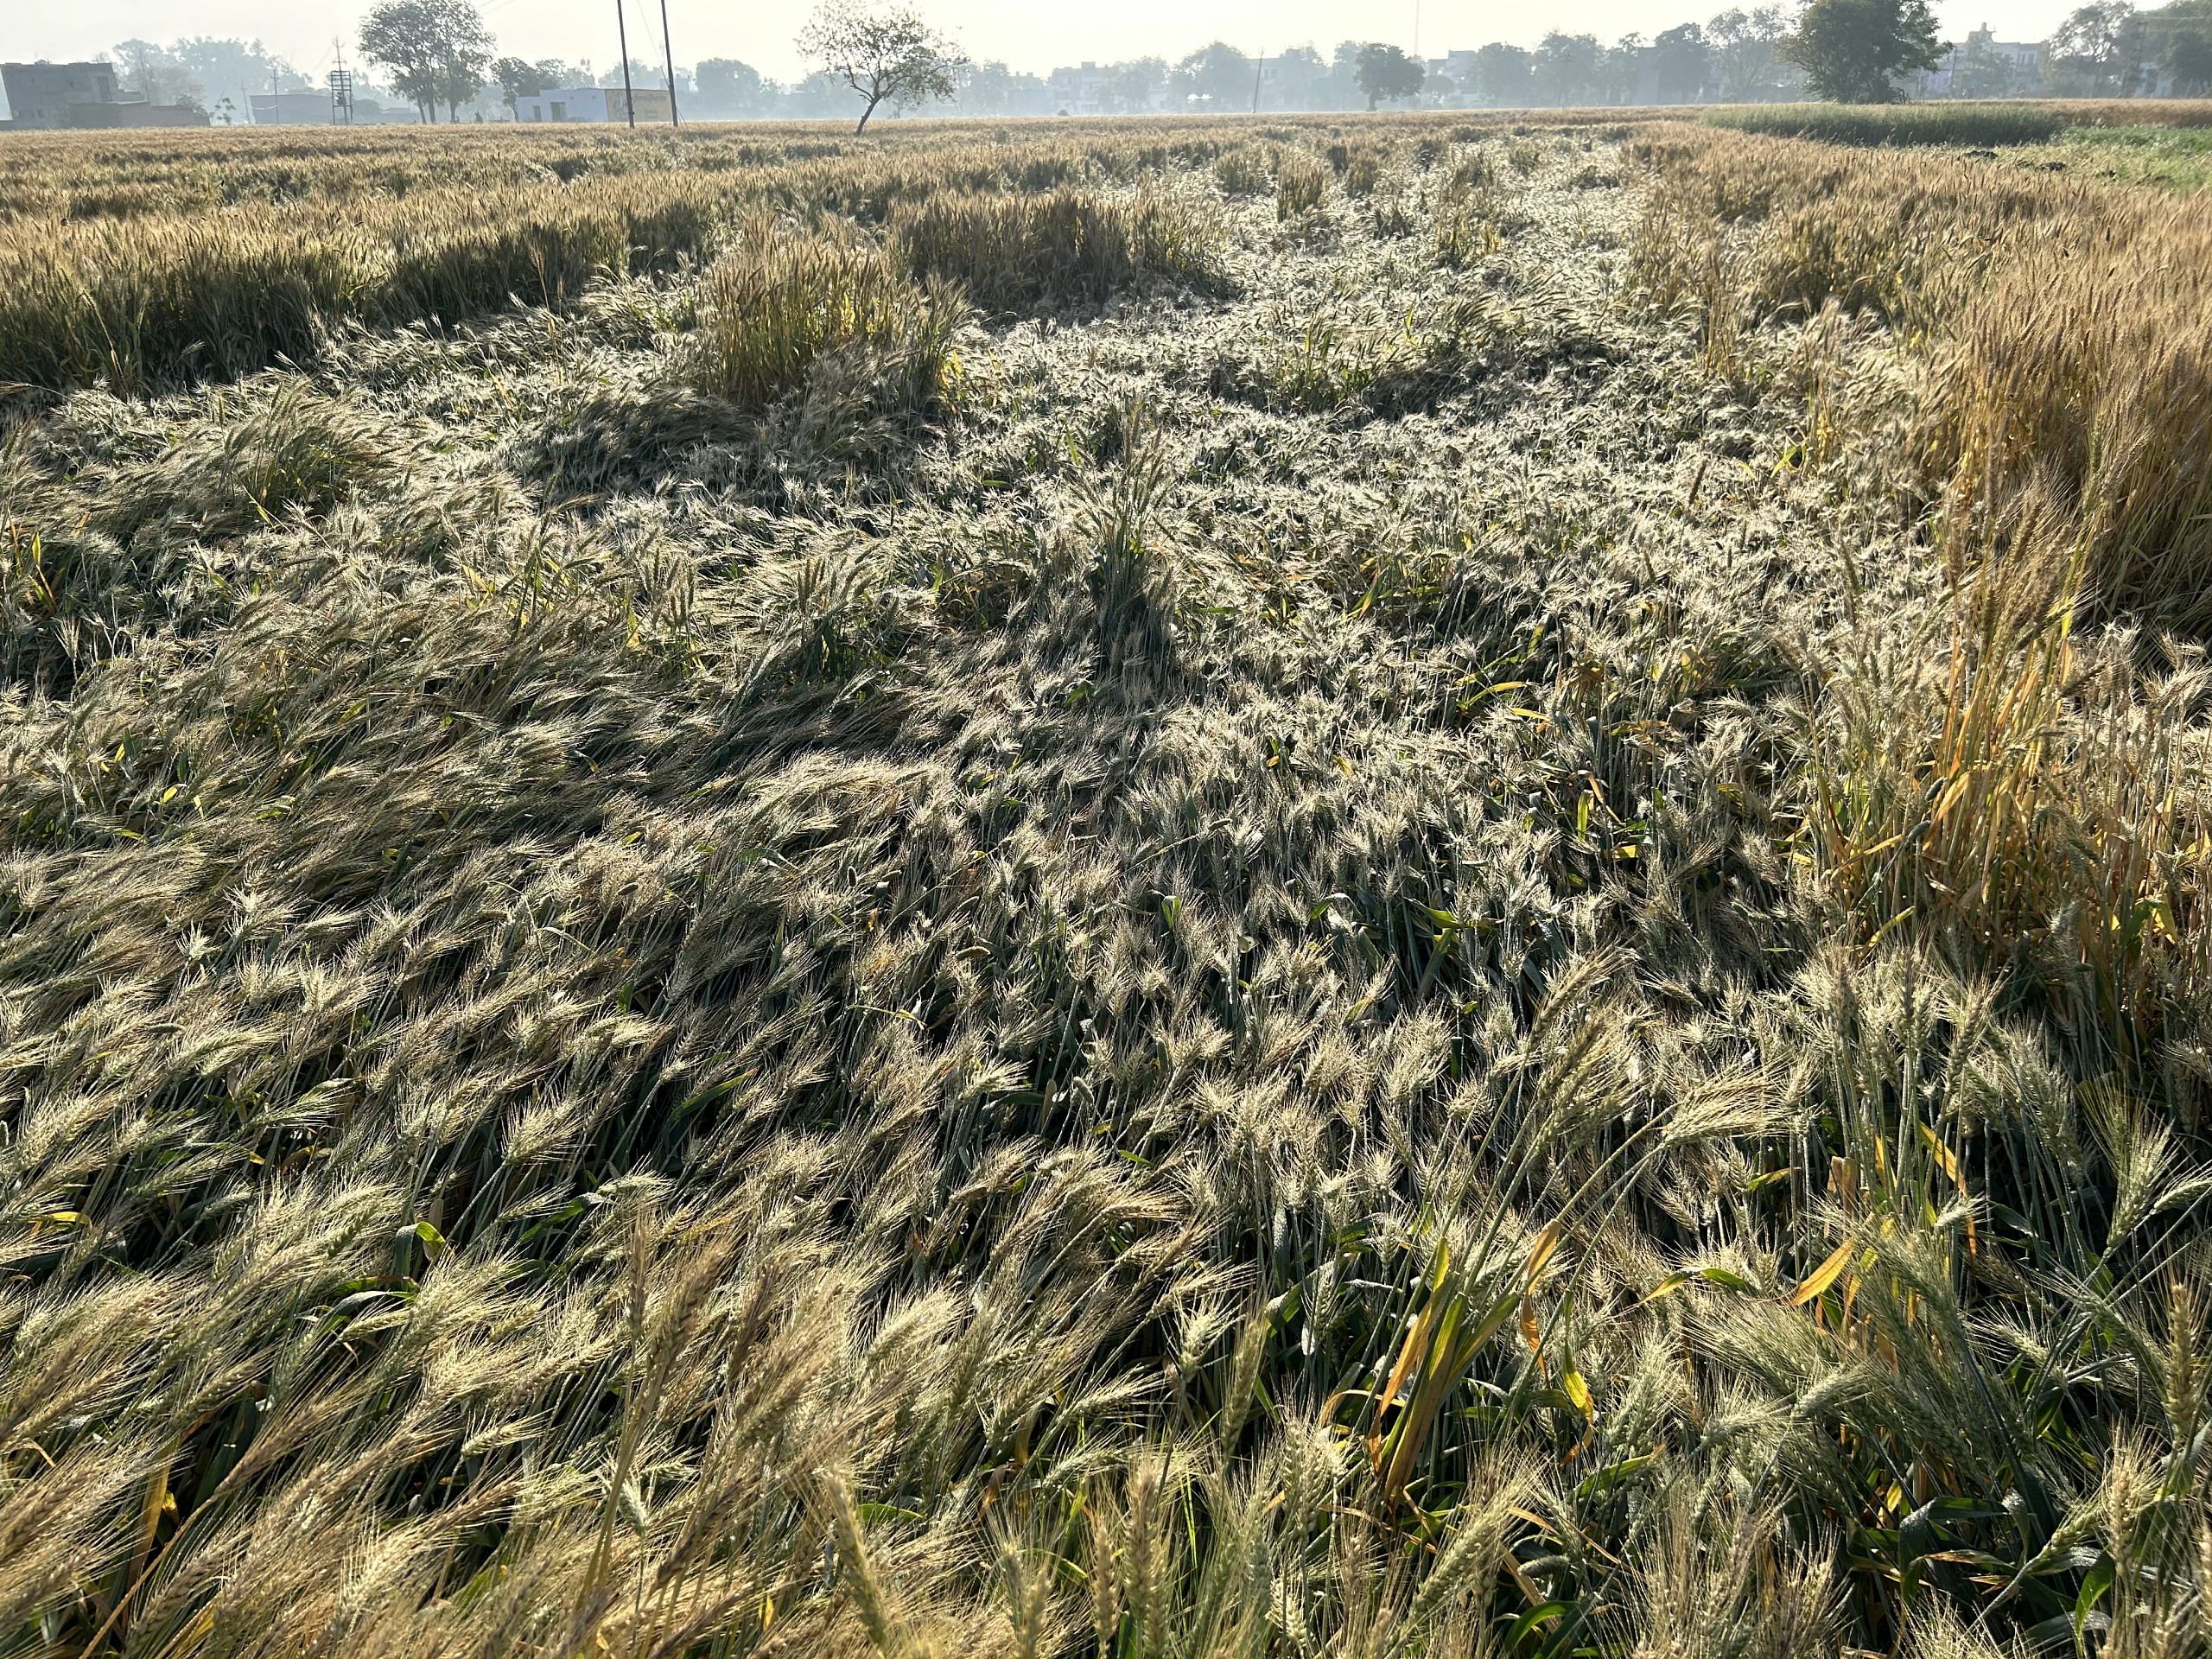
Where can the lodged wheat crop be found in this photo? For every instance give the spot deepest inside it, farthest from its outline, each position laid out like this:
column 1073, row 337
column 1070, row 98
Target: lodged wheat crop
column 1423, row 887
column 2064, row 326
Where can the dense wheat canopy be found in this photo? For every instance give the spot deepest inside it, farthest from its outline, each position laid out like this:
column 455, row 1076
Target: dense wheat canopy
column 1187, row 889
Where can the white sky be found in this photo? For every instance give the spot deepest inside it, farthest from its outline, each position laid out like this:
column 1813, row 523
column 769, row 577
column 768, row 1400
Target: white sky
column 1027, row 35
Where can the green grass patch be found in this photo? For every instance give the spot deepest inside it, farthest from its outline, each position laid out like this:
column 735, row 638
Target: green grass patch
column 1900, row 124
column 2174, row 157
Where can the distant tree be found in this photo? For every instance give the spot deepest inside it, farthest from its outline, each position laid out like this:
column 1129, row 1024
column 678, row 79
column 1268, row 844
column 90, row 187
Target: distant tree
column 2088, row 50
column 136, row 62
column 1504, row 74
column 646, row 75
column 1620, row 69
column 1566, row 67
column 1217, row 75
column 436, row 50
column 1981, row 71
column 885, row 54
column 235, row 69
column 1681, row 64
column 1133, row 87
column 147, row 71
column 985, row 88
column 1339, row 88
column 2188, row 56
column 820, row 96
column 1385, row 73
column 1746, row 48
column 1301, row 76
column 519, row 79
column 1015, row 92
column 729, row 87
column 1853, row 51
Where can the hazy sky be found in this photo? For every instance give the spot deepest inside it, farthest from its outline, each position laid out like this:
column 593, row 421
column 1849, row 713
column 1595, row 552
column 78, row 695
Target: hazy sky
column 1027, row 35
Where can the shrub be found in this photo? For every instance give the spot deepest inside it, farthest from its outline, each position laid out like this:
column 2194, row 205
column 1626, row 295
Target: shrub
column 1466, row 231
column 2025, row 806
column 1243, row 171
column 1011, row 252
column 784, row 302
column 1301, row 184
column 1470, row 211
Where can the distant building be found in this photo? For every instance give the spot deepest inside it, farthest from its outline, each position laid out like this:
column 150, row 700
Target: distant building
column 1107, row 89
column 293, row 109
column 598, row 104
column 136, row 113
column 46, row 97
column 1078, row 91
column 314, row 109
column 40, row 94
column 1984, row 66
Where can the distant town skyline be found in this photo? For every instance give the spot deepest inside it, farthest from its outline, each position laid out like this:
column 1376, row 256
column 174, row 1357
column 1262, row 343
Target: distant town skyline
column 1027, row 36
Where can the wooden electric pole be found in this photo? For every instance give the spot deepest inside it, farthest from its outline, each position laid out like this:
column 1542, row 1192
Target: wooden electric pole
column 629, row 93
column 668, row 57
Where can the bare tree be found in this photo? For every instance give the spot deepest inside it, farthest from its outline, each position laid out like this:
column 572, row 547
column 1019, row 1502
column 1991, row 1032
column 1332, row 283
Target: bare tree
column 885, row 54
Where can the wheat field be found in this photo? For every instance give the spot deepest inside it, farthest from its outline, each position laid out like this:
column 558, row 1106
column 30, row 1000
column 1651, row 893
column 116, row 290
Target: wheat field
column 1416, row 886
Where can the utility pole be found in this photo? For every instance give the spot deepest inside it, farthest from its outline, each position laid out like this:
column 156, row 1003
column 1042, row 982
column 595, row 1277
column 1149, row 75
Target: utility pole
column 629, row 95
column 342, row 89
column 1259, row 69
column 668, row 57
column 1416, row 31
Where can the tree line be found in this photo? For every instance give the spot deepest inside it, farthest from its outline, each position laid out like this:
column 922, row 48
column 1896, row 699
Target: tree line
column 440, row 57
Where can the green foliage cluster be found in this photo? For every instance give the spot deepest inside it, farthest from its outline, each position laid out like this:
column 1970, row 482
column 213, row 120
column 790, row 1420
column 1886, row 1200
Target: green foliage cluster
column 1967, row 125
column 436, row 51
column 1857, row 51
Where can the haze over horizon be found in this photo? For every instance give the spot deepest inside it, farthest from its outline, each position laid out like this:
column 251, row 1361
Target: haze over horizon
column 1008, row 30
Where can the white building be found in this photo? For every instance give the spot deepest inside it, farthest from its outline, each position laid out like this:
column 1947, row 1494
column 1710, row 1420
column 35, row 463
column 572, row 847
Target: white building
column 593, row 104
column 1078, row 91
column 2019, row 64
